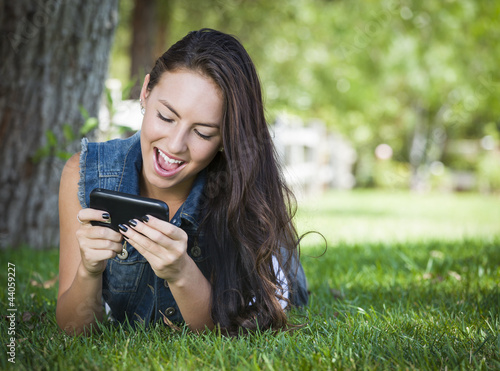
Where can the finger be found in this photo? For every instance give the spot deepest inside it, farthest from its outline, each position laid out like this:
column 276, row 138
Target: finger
column 98, row 255
column 102, row 245
column 160, row 250
column 166, row 228
column 85, row 216
column 144, row 244
column 99, row 233
column 165, row 234
column 93, row 260
column 90, row 244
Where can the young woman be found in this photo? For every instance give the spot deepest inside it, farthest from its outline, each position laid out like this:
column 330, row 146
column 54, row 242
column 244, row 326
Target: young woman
column 228, row 256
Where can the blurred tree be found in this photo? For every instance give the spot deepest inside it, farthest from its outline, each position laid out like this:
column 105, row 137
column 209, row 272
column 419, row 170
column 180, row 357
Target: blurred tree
column 150, row 26
column 54, row 60
column 413, row 74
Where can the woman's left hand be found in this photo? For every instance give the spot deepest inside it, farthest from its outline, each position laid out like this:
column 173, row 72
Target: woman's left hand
column 164, row 246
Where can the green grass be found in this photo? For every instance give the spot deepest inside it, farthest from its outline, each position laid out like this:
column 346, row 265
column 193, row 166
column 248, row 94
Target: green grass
column 407, row 282
column 383, row 216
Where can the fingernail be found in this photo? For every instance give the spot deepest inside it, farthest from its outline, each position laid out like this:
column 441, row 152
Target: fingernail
column 125, row 237
column 105, row 216
column 145, row 219
column 132, row 222
column 122, row 228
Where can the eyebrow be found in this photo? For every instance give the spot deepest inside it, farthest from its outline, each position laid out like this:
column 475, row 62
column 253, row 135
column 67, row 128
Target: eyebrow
column 166, row 104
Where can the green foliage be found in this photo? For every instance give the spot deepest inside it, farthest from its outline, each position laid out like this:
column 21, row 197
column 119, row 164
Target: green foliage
column 57, row 147
column 52, row 146
column 432, row 303
column 113, row 129
column 391, row 174
column 375, row 71
column 489, row 171
column 89, row 123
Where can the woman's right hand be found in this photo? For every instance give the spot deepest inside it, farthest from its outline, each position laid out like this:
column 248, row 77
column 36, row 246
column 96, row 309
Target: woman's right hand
column 97, row 244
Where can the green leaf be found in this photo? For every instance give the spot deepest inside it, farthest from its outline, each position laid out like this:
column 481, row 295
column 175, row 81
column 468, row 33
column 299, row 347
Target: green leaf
column 68, row 133
column 63, row 155
column 51, row 138
column 127, row 88
column 90, row 124
column 122, row 129
column 83, row 112
column 109, row 98
column 40, row 153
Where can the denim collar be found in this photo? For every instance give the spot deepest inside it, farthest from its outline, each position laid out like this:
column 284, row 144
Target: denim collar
column 190, row 209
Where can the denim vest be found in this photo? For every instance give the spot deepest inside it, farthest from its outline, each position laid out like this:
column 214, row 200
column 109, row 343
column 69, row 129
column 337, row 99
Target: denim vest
column 129, row 286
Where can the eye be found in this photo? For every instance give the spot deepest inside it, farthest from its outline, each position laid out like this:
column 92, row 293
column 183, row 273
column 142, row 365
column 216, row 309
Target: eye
column 202, row 136
column 164, row 118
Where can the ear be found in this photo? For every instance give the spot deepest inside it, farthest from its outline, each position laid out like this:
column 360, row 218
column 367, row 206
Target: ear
column 144, row 90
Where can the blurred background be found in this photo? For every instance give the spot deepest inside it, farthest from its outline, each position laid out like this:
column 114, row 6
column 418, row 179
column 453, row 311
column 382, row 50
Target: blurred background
column 359, row 94
column 387, row 94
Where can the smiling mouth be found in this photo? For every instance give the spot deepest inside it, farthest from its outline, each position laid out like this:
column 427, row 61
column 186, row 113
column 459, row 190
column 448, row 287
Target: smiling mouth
column 166, row 163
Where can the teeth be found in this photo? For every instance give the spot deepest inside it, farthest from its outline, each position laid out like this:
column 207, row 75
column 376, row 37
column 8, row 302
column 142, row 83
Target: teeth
column 168, row 159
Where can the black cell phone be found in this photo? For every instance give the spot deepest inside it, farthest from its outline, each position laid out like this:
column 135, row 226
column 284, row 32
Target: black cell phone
column 123, row 206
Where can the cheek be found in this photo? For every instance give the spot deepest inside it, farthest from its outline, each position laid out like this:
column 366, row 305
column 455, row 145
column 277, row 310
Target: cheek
column 149, row 131
column 204, row 154
column 148, row 139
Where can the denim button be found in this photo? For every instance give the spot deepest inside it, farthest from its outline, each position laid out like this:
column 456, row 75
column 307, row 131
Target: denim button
column 196, row 251
column 123, row 255
column 169, row 311
column 165, row 283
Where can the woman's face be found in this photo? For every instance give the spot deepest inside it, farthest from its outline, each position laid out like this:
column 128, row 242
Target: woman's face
column 181, row 127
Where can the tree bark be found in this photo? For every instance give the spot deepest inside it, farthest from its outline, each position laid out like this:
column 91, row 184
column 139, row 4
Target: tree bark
column 54, row 59
column 150, row 25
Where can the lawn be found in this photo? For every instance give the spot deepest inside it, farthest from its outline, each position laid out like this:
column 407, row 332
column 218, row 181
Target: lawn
column 407, row 281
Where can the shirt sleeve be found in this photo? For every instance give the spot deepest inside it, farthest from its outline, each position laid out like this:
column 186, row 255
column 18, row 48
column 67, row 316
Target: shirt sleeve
column 282, row 283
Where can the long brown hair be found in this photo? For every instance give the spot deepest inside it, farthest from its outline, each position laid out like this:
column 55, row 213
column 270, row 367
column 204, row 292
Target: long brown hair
column 248, row 209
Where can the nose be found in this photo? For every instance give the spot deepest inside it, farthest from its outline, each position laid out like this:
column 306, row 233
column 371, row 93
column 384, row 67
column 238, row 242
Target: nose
column 177, row 141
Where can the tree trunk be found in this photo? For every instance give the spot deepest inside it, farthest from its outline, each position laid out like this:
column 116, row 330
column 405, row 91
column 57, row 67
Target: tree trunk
column 150, row 25
column 54, row 59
